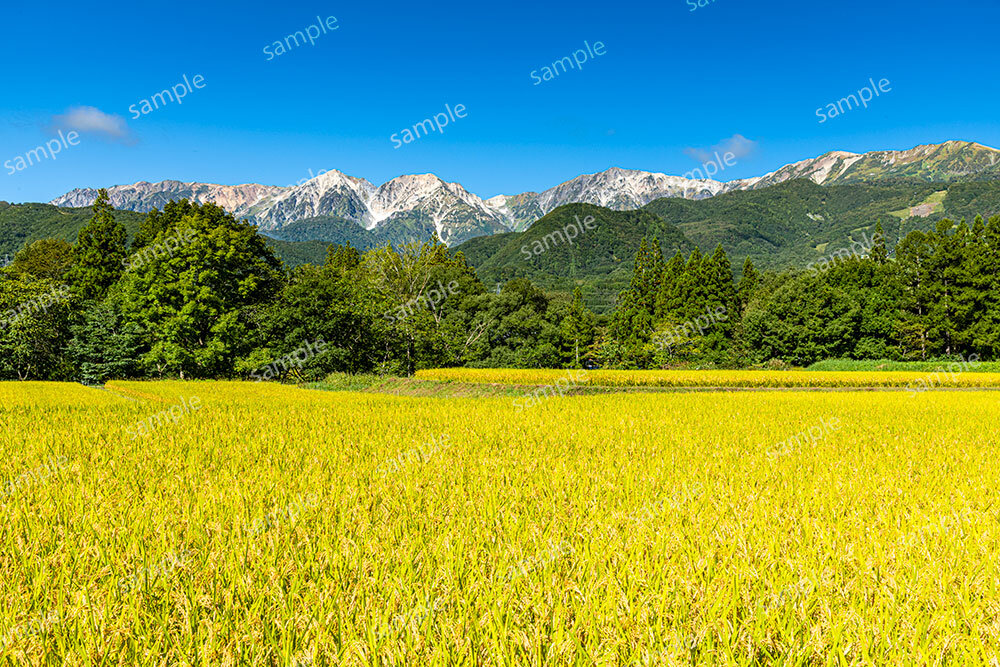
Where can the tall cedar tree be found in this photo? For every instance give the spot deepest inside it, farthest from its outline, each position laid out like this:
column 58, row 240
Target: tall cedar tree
column 99, row 253
column 577, row 329
column 104, row 346
column 721, row 290
column 672, row 273
column 748, row 283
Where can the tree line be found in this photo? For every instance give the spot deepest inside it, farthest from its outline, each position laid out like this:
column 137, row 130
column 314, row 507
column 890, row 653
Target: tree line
column 936, row 295
column 199, row 294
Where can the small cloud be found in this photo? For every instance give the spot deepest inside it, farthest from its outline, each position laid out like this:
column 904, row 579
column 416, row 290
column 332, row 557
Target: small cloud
column 737, row 144
column 91, row 120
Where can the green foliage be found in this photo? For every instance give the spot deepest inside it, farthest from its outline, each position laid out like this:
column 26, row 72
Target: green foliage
column 428, row 295
column 674, row 311
column 514, row 329
column 45, row 258
column 201, row 305
column 803, row 321
column 99, row 253
column 34, row 325
column 326, row 304
column 749, row 281
column 162, row 222
column 104, row 346
column 577, row 332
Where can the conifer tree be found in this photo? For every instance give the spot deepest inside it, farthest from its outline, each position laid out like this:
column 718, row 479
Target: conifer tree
column 632, row 323
column 944, row 316
column 577, row 331
column 103, row 346
column 912, row 264
column 689, row 297
column 985, row 276
column 748, row 283
column 878, row 252
column 99, row 253
column 647, row 276
column 719, row 287
column 672, row 273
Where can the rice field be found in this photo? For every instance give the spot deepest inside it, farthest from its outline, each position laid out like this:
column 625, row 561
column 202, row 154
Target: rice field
column 274, row 525
column 948, row 376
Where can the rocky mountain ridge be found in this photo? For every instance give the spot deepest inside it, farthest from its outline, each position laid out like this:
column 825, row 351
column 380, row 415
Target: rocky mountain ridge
column 421, row 204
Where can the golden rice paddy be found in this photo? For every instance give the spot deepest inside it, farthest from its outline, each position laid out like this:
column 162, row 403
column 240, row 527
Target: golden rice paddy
column 949, row 376
column 274, row 525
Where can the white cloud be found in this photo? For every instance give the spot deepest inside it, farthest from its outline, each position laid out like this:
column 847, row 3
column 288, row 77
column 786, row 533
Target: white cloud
column 737, row 144
column 91, row 120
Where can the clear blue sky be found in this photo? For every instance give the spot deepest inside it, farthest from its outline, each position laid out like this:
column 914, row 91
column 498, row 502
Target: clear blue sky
column 671, row 79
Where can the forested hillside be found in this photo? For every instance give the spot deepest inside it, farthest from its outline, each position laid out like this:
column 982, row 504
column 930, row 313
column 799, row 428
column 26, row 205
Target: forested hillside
column 936, row 296
column 21, row 224
column 795, row 223
column 576, row 245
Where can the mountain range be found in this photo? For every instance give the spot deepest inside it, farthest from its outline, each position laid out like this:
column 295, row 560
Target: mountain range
column 783, row 226
column 334, row 207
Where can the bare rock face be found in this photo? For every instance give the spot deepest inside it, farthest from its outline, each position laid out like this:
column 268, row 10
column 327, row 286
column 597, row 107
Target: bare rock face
column 143, row 196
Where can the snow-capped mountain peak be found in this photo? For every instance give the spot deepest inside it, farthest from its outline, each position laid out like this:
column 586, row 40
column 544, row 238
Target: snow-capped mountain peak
column 424, row 203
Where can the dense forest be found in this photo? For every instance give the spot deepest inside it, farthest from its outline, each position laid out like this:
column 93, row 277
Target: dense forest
column 200, row 294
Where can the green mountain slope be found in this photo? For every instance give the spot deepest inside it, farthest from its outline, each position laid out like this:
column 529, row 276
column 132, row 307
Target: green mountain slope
column 798, row 222
column 598, row 259
column 23, row 223
column 332, row 229
column 329, row 229
column 945, row 162
column 296, row 253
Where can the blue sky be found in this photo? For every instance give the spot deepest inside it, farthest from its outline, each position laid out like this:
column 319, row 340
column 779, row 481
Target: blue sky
column 671, row 80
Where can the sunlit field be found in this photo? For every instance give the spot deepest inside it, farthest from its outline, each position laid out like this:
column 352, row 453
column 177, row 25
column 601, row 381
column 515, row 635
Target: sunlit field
column 956, row 375
column 258, row 524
